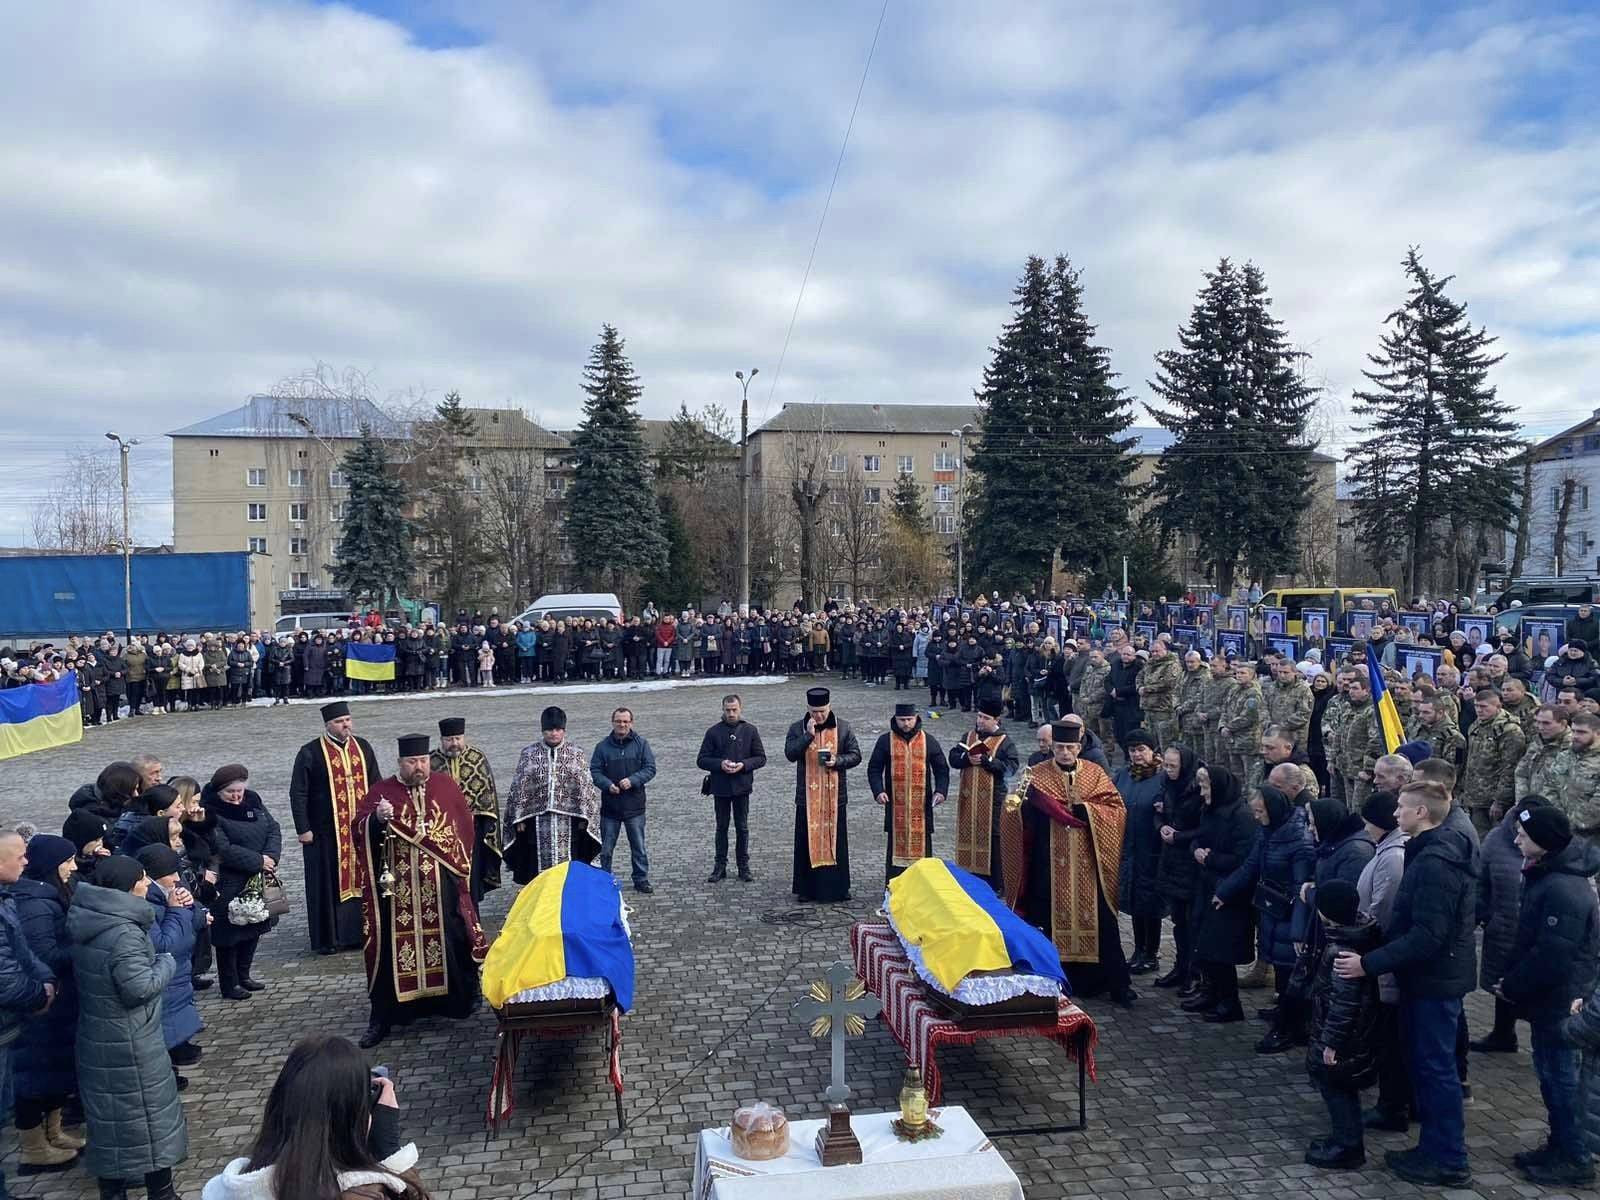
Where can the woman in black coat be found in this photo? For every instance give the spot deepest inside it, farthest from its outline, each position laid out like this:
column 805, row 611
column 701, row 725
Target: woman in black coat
column 1178, row 812
column 1316, row 753
column 248, row 842
column 1225, row 840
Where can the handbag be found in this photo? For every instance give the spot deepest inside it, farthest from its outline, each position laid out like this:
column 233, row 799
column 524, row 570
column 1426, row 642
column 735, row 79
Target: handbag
column 1272, row 902
column 249, row 907
column 274, row 895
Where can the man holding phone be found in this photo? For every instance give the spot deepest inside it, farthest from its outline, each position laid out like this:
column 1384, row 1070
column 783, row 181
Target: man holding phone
column 823, row 748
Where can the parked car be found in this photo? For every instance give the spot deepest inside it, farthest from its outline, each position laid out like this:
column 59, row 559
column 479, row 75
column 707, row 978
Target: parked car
column 565, row 606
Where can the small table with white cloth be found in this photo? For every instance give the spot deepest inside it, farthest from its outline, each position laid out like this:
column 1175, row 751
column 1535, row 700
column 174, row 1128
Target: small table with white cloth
column 962, row 1164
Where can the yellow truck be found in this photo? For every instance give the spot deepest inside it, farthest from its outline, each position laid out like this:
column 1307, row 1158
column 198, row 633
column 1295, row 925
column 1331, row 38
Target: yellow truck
column 1335, row 599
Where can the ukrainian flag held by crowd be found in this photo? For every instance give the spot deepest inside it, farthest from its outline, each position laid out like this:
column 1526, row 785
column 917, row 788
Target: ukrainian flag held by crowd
column 369, row 660
column 37, row 716
column 1383, row 704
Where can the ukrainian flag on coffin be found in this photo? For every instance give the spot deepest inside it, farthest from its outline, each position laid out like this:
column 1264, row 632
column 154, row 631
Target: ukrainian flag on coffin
column 369, row 660
column 567, row 923
column 961, row 926
column 37, row 716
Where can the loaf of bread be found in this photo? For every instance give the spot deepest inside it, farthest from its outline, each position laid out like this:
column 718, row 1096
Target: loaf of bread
column 760, row 1132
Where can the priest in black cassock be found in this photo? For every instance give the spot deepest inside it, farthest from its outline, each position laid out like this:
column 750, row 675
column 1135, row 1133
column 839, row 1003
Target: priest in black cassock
column 822, row 748
column 423, row 944
column 909, row 778
column 332, row 775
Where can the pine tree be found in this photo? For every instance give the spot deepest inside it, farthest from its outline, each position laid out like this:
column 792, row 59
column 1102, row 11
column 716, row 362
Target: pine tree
column 448, row 523
column 1236, row 402
column 906, row 503
column 1009, row 548
column 373, row 557
column 1439, row 446
column 613, row 520
column 678, row 584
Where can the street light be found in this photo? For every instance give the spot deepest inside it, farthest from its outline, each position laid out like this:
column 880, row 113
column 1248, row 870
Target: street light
column 744, row 488
column 127, row 540
column 961, row 492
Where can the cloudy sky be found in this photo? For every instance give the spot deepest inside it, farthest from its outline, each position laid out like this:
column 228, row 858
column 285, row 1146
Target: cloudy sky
column 200, row 198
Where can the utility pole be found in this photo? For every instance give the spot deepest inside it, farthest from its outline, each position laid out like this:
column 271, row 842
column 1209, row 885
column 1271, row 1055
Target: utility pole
column 127, row 541
column 744, row 489
column 961, row 499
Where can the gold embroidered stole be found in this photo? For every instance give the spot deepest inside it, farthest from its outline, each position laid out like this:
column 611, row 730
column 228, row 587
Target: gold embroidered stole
column 908, row 793
column 822, row 801
column 1083, row 862
column 975, row 810
column 347, row 786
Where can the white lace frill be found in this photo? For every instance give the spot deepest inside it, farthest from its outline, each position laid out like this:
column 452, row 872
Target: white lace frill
column 975, row 990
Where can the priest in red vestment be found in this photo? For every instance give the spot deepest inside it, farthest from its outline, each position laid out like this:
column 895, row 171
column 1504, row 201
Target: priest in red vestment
column 422, row 941
column 987, row 759
column 909, row 777
column 1071, row 824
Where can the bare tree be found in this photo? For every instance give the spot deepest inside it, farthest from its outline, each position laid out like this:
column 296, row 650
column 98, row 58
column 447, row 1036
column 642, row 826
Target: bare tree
column 1561, row 495
column 855, row 528
column 81, row 510
column 806, row 460
column 1519, row 552
column 517, row 531
column 1319, row 540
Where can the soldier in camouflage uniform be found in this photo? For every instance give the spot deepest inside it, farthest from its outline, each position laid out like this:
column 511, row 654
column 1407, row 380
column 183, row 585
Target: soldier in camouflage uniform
column 1213, row 696
column 1581, row 771
column 1404, row 701
column 1158, row 694
column 1355, row 740
column 1448, row 686
column 1333, row 717
column 1523, row 708
column 1443, row 739
column 1239, row 733
column 1191, row 692
column 1277, row 748
column 1494, row 747
column 1541, row 770
column 1286, row 702
column 1092, row 695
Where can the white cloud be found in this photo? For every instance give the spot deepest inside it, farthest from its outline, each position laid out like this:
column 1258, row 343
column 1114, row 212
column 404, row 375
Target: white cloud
column 201, row 199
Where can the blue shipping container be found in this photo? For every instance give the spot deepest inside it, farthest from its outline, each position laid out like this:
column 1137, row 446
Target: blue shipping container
column 48, row 594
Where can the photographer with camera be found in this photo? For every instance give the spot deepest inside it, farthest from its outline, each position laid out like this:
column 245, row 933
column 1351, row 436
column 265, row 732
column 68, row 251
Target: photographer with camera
column 331, row 1131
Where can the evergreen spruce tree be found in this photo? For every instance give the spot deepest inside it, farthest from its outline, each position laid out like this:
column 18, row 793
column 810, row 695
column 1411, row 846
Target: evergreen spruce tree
column 1009, row 472
column 1439, row 443
column 373, row 557
column 613, row 520
column 449, row 524
column 1236, row 404
column 677, row 585
column 905, row 504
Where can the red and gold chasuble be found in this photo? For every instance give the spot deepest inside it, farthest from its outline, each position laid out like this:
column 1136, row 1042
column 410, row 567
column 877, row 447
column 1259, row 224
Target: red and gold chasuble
column 431, row 858
column 1085, row 858
column 347, row 787
column 975, row 810
column 908, row 790
column 822, row 800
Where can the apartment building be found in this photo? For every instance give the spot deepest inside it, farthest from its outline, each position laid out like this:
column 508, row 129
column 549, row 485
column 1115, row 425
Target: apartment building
column 1562, row 526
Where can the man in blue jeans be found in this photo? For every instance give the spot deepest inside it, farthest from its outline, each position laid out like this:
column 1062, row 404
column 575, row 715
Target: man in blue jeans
column 1430, row 950
column 620, row 766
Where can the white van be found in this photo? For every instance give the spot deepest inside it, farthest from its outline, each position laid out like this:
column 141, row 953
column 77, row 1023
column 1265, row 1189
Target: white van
column 565, row 606
column 294, row 622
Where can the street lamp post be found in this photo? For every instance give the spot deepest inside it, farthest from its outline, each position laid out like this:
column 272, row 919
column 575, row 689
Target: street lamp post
column 961, row 496
column 744, row 488
column 127, row 540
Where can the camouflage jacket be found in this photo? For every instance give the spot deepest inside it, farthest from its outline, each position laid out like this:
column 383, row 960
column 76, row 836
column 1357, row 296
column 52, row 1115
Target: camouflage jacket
column 1092, row 689
column 1241, row 715
column 1523, row 714
column 1288, row 705
column 1158, row 683
column 1449, row 705
column 1333, row 717
column 1213, row 698
column 1355, row 733
column 1259, row 770
column 1444, row 741
column 1191, row 699
column 1541, row 771
column 1581, row 802
column 1493, row 750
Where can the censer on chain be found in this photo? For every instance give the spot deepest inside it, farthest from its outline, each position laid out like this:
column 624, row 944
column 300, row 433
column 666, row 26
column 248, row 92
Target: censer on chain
column 386, row 875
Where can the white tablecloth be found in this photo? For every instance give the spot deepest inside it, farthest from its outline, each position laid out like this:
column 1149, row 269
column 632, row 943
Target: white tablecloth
column 961, row 1165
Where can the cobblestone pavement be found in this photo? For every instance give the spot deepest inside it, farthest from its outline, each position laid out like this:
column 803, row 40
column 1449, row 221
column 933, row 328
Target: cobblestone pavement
column 1182, row 1109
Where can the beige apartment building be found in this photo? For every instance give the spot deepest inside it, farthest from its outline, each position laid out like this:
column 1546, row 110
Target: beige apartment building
column 877, row 443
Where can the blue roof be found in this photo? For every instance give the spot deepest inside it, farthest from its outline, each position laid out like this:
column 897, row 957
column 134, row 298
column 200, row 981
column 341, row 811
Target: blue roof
column 269, row 417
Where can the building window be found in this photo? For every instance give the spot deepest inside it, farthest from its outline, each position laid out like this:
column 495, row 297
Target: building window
column 437, row 577
column 906, row 464
column 215, row 453
column 256, row 477
column 297, row 511
column 300, row 581
column 339, row 510
column 835, row 528
column 944, row 461
column 297, row 477
column 872, row 463
column 1566, row 448
column 872, row 495
column 556, row 486
column 255, row 512
column 1583, row 498
column 1555, row 499
column 943, row 493
column 1591, row 441
column 336, row 479
column 475, row 483
column 258, row 545
column 300, row 454
column 944, row 523
column 298, row 545
column 836, row 464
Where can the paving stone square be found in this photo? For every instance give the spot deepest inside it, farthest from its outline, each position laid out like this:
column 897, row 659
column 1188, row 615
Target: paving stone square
column 1181, row 1109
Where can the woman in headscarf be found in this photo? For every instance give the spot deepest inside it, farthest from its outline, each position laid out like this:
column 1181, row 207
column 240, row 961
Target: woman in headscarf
column 1177, row 816
column 1224, row 842
column 1139, row 781
column 1316, row 753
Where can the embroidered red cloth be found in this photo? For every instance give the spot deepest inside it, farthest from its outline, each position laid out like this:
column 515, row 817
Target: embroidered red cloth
column 921, row 1029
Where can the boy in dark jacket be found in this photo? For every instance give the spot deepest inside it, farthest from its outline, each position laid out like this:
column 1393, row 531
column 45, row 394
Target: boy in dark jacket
column 1341, row 1056
column 1551, row 965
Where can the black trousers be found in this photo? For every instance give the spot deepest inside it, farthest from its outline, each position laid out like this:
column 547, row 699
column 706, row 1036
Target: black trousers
column 736, row 808
column 1394, row 1079
column 1183, row 937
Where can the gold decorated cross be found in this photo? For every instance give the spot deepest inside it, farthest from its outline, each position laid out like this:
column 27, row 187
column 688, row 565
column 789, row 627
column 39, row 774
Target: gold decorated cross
column 838, row 1004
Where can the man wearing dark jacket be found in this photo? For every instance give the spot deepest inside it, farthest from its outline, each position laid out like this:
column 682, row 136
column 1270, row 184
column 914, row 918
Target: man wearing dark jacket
column 1430, row 950
column 730, row 754
column 620, row 766
column 1585, row 626
column 1553, row 964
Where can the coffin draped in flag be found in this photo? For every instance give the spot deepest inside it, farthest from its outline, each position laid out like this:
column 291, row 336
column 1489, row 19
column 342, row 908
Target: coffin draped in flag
column 369, row 660
column 567, row 923
column 961, row 927
column 37, row 716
